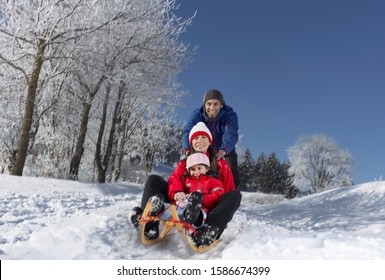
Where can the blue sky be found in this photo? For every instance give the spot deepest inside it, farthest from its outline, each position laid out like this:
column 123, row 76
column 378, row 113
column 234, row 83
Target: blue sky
column 292, row 68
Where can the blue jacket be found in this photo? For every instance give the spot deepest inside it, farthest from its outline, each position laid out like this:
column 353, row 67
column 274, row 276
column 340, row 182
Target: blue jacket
column 224, row 128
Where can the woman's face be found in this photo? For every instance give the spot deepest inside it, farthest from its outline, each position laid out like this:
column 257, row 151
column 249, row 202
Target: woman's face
column 200, row 143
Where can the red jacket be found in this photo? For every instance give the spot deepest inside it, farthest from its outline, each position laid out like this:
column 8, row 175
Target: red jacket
column 211, row 188
column 176, row 184
column 226, row 175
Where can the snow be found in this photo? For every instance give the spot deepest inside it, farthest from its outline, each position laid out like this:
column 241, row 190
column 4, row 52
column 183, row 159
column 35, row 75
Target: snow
column 53, row 219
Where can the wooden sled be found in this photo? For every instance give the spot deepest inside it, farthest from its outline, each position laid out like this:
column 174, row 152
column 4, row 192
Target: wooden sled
column 175, row 223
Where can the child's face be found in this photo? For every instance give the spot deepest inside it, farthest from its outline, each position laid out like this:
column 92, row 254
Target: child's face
column 197, row 170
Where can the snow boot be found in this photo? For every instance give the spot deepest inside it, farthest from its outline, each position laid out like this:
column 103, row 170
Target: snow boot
column 157, row 202
column 206, row 235
column 136, row 214
column 193, row 208
column 151, row 230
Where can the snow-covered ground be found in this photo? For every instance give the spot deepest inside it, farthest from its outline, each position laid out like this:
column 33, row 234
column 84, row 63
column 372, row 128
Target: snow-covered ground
column 52, row 219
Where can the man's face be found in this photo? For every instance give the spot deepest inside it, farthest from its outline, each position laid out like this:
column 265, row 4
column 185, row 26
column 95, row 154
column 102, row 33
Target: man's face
column 213, row 107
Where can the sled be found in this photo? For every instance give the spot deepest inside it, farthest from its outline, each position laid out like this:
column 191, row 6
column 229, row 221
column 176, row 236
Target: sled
column 168, row 225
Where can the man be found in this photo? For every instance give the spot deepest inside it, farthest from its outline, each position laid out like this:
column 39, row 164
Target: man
column 223, row 124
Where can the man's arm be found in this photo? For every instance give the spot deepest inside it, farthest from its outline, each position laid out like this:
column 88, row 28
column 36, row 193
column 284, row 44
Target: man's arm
column 230, row 135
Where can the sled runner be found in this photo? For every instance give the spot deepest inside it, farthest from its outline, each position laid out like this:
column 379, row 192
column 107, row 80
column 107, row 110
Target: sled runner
column 175, row 222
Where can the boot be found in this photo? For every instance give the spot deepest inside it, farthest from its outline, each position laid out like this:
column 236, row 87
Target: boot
column 157, row 204
column 193, row 208
column 151, row 230
column 206, row 235
column 136, row 214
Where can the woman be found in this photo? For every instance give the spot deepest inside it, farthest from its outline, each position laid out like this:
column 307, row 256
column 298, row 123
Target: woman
column 157, row 189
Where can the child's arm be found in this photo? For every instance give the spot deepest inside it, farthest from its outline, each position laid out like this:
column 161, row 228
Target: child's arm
column 211, row 199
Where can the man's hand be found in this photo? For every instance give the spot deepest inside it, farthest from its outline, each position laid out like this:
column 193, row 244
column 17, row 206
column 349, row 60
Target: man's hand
column 221, row 154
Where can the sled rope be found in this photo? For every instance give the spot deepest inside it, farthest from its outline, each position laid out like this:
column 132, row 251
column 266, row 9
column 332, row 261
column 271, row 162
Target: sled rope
column 186, row 225
column 150, row 218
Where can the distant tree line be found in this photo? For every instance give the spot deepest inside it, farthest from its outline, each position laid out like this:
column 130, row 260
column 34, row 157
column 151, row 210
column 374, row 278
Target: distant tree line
column 316, row 163
column 266, row 174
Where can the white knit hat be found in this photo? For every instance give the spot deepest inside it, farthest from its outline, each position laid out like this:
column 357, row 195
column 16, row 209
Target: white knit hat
column 197, row 158
column 200, row 129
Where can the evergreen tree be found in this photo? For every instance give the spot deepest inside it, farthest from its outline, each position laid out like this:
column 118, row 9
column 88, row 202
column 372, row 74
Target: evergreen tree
column 258, row 171
column 289, row 190
column 247, row 172
column 273, row 176
column 269, row 175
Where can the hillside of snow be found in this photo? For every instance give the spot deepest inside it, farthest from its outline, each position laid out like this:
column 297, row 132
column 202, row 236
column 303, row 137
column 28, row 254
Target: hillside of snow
column 44, row 218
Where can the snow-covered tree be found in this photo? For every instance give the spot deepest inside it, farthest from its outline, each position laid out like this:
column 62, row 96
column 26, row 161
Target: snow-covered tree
column 63, row 60
column 34, row 36
column 142, row 51
column 319, row 163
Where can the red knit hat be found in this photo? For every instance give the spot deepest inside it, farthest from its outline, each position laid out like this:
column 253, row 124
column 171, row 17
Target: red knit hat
column 197, row 158
column 200, row 129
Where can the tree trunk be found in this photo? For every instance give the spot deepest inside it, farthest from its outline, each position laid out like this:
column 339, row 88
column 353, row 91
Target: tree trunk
column 79, row 149
column 111, row 138
column 101, row 169
column 120, row 154
column 28, row 112
column 149, row 161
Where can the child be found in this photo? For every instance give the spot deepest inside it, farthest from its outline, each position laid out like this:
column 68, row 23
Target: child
column 203, row 191
column 199, row 194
